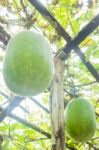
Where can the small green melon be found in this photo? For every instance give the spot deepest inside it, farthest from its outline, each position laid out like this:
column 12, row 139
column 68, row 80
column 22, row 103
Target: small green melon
column 80, row 120
column 28, row 64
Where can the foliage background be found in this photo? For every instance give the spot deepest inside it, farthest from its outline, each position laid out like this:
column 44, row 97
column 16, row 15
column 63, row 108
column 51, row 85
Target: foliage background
column 73, row 15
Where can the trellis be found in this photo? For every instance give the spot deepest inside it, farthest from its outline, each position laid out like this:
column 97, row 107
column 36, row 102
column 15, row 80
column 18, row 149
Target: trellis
column 72, row 44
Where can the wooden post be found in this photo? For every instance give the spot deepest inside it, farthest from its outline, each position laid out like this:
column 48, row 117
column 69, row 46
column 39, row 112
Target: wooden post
column 57, row 107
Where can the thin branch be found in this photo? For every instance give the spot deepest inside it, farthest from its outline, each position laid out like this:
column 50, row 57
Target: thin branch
column 37, row 140
column 18, row 9
column 49, row 17
column 25, row 10
column 34, row 100
column 91, row 145
column 40, row 105
column 95, row 138
column 3, row 21
column 2, row 47
column 87, row 64
column 65, row 90
column 15, row 101
column 69, row 19
column 24, row 109
column 85, row 84
column 32, row 126
column 4, row 95
column 9, row 100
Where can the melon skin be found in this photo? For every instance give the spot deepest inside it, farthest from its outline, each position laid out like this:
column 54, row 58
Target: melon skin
column 28, row 65
column 80, row 120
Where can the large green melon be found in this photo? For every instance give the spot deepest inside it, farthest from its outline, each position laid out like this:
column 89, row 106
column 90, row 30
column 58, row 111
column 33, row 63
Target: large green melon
column 80, row 120
column 28, row 64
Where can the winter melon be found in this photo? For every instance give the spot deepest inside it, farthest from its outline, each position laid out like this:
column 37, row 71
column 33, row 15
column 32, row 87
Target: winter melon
column 80, row 120
column 28, row 64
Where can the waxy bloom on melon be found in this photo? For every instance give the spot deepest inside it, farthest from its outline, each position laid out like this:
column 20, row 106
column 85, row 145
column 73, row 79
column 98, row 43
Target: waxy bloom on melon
column 28, row 64
column 80, row 120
